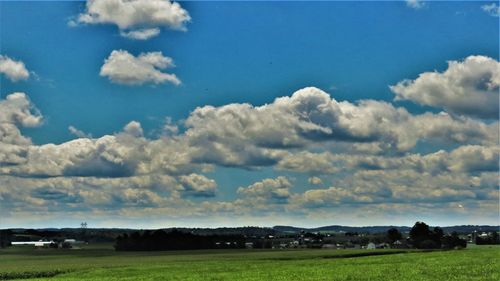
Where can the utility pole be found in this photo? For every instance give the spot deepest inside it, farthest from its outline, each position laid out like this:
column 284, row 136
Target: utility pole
column 83, row 228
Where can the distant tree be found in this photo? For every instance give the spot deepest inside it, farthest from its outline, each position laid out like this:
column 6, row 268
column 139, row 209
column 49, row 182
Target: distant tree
column 492, row 239
column 428, row 244
column 437, row 235
column 453, row 241
column 422, row 237
column 5, row 238
column 393, row 235
column 419, row 233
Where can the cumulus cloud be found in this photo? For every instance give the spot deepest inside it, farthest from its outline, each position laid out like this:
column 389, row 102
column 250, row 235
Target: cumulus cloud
column 68, row 194
column 246, row 135
column 308, row 133
column 277, row 189
column 278, row 134
column 415, row 4
column 121, row 67
column 329, row 197
column 134, row 129
column 468, row 159
column 492, row 9
column 198, row 185
column 474, row 158
column 16, row 110
column 309, row 162
column 469, row 87
column 136, row 19
column 12, row 69
column 315, row 180
column 378, row 187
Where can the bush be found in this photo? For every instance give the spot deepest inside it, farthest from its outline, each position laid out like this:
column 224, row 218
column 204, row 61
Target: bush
column 428, row 244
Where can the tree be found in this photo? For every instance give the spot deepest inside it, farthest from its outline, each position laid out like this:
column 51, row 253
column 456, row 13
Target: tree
column 491, row 239
column 393, row 235
column 5, row 238
column 423, row 238
column 437, row 235
column 419, row 233
column 453, row 241
column 428, row 244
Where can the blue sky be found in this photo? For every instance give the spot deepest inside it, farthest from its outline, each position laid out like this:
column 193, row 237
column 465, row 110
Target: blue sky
column 251, row 52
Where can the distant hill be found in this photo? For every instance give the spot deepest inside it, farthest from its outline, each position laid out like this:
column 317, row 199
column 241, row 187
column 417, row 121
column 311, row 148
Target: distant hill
column 109, row 234
column 379, row 229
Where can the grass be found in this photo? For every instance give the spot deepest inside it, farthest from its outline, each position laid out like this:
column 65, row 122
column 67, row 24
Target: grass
column 102, row 263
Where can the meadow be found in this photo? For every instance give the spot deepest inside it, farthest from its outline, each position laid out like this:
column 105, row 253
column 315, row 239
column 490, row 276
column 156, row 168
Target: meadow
column 101, row 262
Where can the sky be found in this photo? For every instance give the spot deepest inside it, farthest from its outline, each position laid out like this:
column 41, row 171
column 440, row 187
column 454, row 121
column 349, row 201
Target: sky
column 155, row 113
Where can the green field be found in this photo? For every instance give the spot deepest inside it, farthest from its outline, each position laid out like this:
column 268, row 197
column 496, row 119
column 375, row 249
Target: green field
column 102, row 263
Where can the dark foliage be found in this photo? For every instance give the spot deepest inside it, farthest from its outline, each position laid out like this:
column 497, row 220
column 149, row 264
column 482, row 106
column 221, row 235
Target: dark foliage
column 422, row 237
column 394, row 235
column 160, row 240
column 492, row 239
column 453, row 241
column 5, row 238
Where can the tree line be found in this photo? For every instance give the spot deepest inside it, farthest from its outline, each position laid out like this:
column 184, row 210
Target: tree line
column 159, row 240
column 422, row 237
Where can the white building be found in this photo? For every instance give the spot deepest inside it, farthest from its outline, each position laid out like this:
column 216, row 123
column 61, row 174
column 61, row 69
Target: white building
column 34, row 243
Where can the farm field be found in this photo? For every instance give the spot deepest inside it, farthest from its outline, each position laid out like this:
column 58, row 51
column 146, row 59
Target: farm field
column 101, row 262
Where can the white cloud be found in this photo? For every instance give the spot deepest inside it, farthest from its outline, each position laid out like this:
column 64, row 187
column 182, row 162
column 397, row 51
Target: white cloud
column 198, row 185
column 308, row 162
column 276, row 189
column 14, row 70
column 86, row 193
column 474, row 158
column 308, row 132
column 415, row 4
column 464, row 159
column 398, row 186
column 136, row 19
column 314, row 180
column 246, row 135
column 78, row 133
column 141, row 34
column 134, row 129
column 121, row 67
column 469, row 87
column 492, row 9
column 279, row 134
column 329, row 197
column 16, row 110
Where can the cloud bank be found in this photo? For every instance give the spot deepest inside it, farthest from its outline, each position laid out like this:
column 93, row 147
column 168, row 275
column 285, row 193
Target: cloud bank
column 329, row 156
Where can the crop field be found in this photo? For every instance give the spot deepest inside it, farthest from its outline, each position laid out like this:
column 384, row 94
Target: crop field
column 101, row 262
